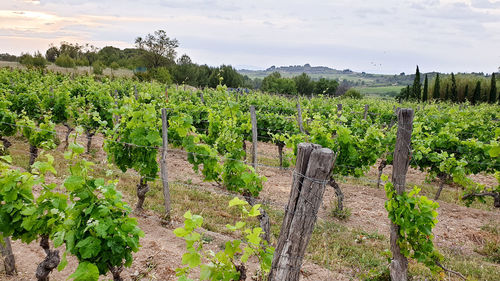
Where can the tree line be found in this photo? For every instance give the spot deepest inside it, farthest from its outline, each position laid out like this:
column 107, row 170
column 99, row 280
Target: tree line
column 155, row 58
column 452, row 88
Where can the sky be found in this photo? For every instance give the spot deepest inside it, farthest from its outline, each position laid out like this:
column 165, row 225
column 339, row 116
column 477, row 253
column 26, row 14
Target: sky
column 383, row 36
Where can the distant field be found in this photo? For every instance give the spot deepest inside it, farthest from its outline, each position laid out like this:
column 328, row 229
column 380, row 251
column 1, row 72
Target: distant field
column 122, row 72
column 380, row 91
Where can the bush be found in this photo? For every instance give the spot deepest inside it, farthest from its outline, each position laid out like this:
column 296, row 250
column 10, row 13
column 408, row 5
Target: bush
column 98, row 67
column 82, row 62
column 352, row 93
column 162, row 75
column 114, row 65
column 65, row 61
column 37, row 61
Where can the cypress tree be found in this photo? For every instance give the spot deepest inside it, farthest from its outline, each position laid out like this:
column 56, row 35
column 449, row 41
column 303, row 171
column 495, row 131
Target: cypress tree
column 436, row 92
column 426, row 86
column 417, row 86
column 454, row 91
column 447, row 92
column 408, row 92
column 493, row 89
column 477, row 93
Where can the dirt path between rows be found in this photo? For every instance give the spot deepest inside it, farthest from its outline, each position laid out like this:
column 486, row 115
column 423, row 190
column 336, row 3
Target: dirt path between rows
column 161, row 252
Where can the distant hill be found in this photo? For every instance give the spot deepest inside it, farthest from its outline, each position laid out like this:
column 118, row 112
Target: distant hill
column 360, row 79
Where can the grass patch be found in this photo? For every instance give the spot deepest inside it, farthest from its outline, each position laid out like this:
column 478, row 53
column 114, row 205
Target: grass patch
column 334, row 246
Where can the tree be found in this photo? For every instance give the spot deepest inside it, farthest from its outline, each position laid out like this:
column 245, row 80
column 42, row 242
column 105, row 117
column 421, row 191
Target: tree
column 64, row 60
column 454, row 91
column 447, row 93
column 493, row 89
column 417, row 86
column 304, row 84
column 274, row 83
column 52, row 53
column 426, row 86
column 436, row 92
column 476, row 97
column 160, row 48
column 325, row 87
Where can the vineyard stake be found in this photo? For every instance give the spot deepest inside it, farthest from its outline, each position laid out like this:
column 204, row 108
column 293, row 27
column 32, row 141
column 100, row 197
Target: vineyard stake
column 299, row 118
column 254, row 136
column 399, row 263
column 8, row 257
column 311, row 174
column 163, row 166
column 366, row 112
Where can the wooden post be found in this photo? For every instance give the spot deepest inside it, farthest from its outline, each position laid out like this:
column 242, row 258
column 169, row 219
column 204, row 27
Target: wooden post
column 8, row 257
column 254, row 136
column 136, row 94
column 166, row 93
column 299, row 118
column 366, row 112
column 202, row 98
column 312, row 171
column 399, row 263
column 117, row 117
column 163, row 167
column 339, row 110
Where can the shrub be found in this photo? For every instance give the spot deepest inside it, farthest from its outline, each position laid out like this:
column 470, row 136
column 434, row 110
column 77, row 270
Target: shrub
column 162, row 75
column 36, row 61
column 98, row 67
column 65, row 61
column 352, row 93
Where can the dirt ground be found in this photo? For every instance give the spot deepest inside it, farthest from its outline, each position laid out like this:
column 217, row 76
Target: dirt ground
column 161, row 251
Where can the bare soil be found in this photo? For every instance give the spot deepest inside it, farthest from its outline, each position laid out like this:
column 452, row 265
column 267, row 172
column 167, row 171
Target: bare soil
column 161, row 252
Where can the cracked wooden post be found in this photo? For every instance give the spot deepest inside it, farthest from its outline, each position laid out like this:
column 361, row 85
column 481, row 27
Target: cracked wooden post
column 399, row 263
column 9, row 261
column 163, row 167
column 312, row 172
column 254, row 136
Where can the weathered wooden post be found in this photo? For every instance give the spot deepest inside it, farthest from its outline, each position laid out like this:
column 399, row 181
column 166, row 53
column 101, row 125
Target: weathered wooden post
column 399, row 263
column 339, row 110
column 254, row 136
column 311, row 174
column 8, row 257
column 299, row 118
column 163, row 167
column 136, row 94
column 366, row 112
column 202, row 98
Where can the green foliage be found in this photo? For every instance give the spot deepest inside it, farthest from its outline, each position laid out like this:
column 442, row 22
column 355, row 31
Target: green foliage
column 162, row 75
column 134, row 140
column 416, row 216
column 97, row 228
column 274, row 83
column 98, row 67
column 225, row 264
column 353, row 94
column 65, row 60
column 36, row 61
column 41, row 135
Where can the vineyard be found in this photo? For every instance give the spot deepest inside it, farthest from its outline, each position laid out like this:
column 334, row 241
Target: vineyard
column 131, row 180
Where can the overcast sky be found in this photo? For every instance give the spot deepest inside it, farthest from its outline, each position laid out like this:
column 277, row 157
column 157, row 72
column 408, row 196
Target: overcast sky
column 384, row 36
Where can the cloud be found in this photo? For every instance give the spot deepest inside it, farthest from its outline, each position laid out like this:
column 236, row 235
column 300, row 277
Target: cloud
column 442, row 35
